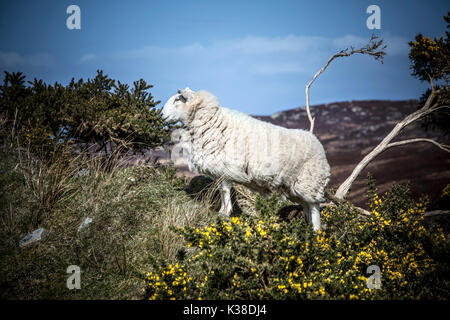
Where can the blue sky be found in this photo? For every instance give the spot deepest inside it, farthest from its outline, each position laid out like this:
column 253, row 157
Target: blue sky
column 255, row 56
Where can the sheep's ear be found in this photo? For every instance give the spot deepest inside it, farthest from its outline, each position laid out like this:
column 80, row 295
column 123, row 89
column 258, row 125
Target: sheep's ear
column 187, row 94
column 180, row 91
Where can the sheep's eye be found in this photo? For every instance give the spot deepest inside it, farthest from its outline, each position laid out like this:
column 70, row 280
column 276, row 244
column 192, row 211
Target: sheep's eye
column 180, row 98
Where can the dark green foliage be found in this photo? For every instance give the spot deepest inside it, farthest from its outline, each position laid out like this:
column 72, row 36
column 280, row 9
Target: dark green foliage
column 429, row 58
column 269, row 206
column 96, row 111
column 430, row 61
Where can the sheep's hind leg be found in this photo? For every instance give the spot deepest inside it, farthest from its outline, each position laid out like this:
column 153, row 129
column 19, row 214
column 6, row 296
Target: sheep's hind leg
column 226, row 206
column 312, row 215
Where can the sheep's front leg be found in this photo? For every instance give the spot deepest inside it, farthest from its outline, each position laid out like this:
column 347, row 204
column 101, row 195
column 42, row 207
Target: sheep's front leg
column 226, row 207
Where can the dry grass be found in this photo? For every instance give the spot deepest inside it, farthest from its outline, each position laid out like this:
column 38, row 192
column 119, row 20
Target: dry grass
column 132, row 208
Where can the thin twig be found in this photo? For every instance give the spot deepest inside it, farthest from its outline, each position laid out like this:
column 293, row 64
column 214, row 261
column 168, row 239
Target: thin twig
column 403, row 142
column 372, row 48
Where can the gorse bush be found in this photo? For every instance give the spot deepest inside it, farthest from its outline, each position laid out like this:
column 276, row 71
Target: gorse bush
column 430, row 60
column 267, row 258
column 97, row 111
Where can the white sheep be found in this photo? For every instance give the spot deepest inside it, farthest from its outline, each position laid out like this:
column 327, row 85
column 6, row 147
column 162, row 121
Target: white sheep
column 228, row 144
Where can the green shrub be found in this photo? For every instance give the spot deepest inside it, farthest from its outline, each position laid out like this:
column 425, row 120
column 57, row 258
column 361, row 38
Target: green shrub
column 429, row 61
column 267, row 258
column 43, row 117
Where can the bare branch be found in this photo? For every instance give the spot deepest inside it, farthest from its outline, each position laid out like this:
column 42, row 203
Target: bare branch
column 430, row 78
column 336, row 201
column 373, row 48
column 363, row 211
column 427, row 108
column 435, row 213
column 403, row 142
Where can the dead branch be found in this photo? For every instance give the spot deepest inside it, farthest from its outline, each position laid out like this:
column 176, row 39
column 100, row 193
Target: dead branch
column 372, row 49
column 427, row 108
column 435, row 213
column 403, row 142
column 336, row 201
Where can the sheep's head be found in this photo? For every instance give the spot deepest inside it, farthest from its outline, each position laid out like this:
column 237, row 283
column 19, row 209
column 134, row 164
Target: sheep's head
column 177, row 107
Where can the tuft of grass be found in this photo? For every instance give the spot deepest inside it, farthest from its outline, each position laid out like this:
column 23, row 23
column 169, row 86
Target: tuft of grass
column 132, row 209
